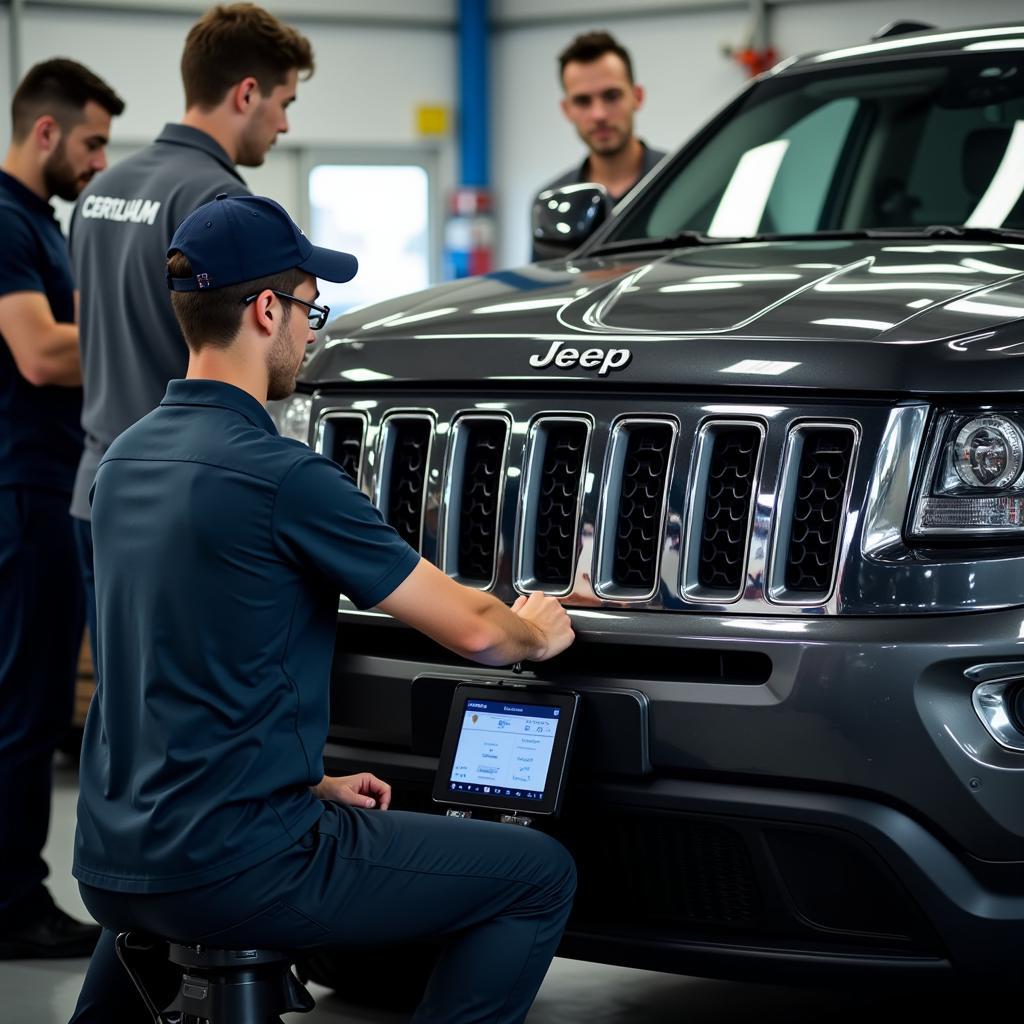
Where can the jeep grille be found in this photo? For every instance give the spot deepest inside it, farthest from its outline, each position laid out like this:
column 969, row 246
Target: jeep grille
column 813, row 502
column 476, row 479
column 340, row 437
column 639, row 466
column 405, row 448
column 552, row 494
column 681, row 505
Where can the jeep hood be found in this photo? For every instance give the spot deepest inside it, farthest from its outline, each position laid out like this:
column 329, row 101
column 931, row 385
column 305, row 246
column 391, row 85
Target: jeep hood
column 906, row 317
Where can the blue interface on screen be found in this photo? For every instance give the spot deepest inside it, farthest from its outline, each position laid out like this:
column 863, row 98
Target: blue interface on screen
column 504, row 749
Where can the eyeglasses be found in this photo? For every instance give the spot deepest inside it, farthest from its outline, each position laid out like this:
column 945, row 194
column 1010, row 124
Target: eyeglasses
column 317, row 315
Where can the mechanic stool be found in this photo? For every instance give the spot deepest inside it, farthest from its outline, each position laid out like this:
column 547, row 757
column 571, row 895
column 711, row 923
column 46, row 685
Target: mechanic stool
column 221, row 986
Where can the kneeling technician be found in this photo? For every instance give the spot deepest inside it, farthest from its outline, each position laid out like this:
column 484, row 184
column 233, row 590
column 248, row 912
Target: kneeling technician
column 221, row 548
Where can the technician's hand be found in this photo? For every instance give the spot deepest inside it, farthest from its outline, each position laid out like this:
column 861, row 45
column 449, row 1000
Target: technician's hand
column 362, row 790
column 549, row 620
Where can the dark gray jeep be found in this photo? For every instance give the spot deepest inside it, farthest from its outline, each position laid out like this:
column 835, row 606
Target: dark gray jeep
column 763, row 434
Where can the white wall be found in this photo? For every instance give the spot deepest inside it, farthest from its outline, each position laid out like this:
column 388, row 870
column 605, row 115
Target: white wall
column 368, row 82
column 677, row 57
column 378, row 59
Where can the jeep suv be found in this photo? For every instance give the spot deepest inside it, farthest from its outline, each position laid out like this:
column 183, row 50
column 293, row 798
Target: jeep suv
column 761, row 435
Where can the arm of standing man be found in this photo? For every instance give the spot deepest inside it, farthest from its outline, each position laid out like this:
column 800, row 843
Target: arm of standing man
column 45, row 352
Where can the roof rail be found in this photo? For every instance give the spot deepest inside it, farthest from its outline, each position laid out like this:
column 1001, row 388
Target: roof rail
column 900, row 27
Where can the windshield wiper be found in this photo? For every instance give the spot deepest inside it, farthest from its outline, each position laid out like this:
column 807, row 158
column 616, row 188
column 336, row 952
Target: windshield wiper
column 684, row 239
column 680, row 240
column 953, row 231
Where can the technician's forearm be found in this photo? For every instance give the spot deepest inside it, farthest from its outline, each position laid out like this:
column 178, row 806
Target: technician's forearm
column 504, row 637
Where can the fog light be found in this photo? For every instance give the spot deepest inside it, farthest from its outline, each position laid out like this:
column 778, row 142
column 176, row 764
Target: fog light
column 1000, row 706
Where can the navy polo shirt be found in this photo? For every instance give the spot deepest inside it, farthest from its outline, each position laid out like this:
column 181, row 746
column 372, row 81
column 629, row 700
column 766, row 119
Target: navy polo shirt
column 40, row 435
column 221, row 549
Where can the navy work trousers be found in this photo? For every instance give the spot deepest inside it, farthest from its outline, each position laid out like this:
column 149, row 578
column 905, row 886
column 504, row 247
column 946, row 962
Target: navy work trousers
column 83, row 541
column 499, row 894
column 41, row 618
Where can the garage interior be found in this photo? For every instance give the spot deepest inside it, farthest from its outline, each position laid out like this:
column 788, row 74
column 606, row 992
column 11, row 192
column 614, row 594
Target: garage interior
column 382, row 112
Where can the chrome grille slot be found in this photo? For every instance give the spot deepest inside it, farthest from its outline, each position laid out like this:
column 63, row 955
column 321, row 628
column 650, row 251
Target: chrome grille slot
column 552, row 494
column 633, row 519
column 721, row 509
column 814, row 496
column 405, row 452
column 340, row 436
column 476, row 472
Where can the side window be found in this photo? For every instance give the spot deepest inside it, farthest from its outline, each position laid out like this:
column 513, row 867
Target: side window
column 380, row 212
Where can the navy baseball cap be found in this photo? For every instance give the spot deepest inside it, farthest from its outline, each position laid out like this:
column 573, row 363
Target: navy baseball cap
column 242, row 238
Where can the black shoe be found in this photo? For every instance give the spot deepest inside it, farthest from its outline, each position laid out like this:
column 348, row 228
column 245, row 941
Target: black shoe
column 52, row 935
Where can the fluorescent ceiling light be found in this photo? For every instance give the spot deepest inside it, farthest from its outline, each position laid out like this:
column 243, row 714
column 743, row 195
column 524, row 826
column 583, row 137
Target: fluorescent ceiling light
column 996, row 44
column 717, row 286
column 903, row 44
column 764, row 367
column 867, row 325
column 748, row 277
column 361, row 375
column 742, row 206
column 982, row 308
column 513, row 307
column 1004, row 189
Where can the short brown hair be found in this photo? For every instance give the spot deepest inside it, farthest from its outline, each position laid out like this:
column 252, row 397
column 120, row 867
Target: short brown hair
column 589, row 47
column 212, row 318
column 232, row 42
column 61, row 88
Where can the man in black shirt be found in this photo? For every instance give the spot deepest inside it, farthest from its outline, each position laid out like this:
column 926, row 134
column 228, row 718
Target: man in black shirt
column 61, row 121
column 600, row 100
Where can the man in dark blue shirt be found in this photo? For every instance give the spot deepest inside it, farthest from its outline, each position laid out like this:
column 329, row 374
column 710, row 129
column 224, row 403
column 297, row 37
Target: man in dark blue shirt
column 61, row 121
column 221, row 549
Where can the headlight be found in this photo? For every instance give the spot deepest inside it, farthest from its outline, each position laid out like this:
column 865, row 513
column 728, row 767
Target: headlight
column 973, row 483
column 291, row 416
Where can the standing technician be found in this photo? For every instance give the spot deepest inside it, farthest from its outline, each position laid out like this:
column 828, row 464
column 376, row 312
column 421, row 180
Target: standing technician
column 240, row 68
column 221, row 548
column 600, row 99
column 60, row 126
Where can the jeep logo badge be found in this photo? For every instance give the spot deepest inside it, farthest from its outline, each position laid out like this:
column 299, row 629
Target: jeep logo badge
column 589, row 359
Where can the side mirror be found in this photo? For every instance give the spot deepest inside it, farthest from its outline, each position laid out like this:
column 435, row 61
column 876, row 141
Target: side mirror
column 563, row 218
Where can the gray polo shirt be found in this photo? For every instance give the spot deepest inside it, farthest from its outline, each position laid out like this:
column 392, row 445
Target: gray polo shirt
column 120, row 230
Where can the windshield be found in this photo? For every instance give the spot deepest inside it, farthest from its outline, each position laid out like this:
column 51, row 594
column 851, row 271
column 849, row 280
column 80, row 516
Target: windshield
column 929, row 141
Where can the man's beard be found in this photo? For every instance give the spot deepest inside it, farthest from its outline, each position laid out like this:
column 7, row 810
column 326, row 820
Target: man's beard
column 59, row 179
column 611, row 147
column 281, row 367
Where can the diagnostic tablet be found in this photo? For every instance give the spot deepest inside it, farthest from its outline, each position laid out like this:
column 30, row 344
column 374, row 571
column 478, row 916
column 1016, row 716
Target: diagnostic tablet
column 507, row 748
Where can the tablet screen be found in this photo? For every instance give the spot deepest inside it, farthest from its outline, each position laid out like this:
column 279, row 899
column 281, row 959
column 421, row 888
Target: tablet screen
column 504, row 748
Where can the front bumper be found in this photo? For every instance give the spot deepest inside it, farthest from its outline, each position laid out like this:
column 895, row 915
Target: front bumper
column 823, row 802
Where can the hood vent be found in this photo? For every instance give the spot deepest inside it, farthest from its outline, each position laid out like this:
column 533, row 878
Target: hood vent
column 814, row 497
column 552, row 494
column 405, row 452
column 476, row 472
column 340, row 437
column 722, row 510
column 633, row 523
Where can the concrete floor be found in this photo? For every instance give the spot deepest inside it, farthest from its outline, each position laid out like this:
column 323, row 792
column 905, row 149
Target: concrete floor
column 44, row 992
